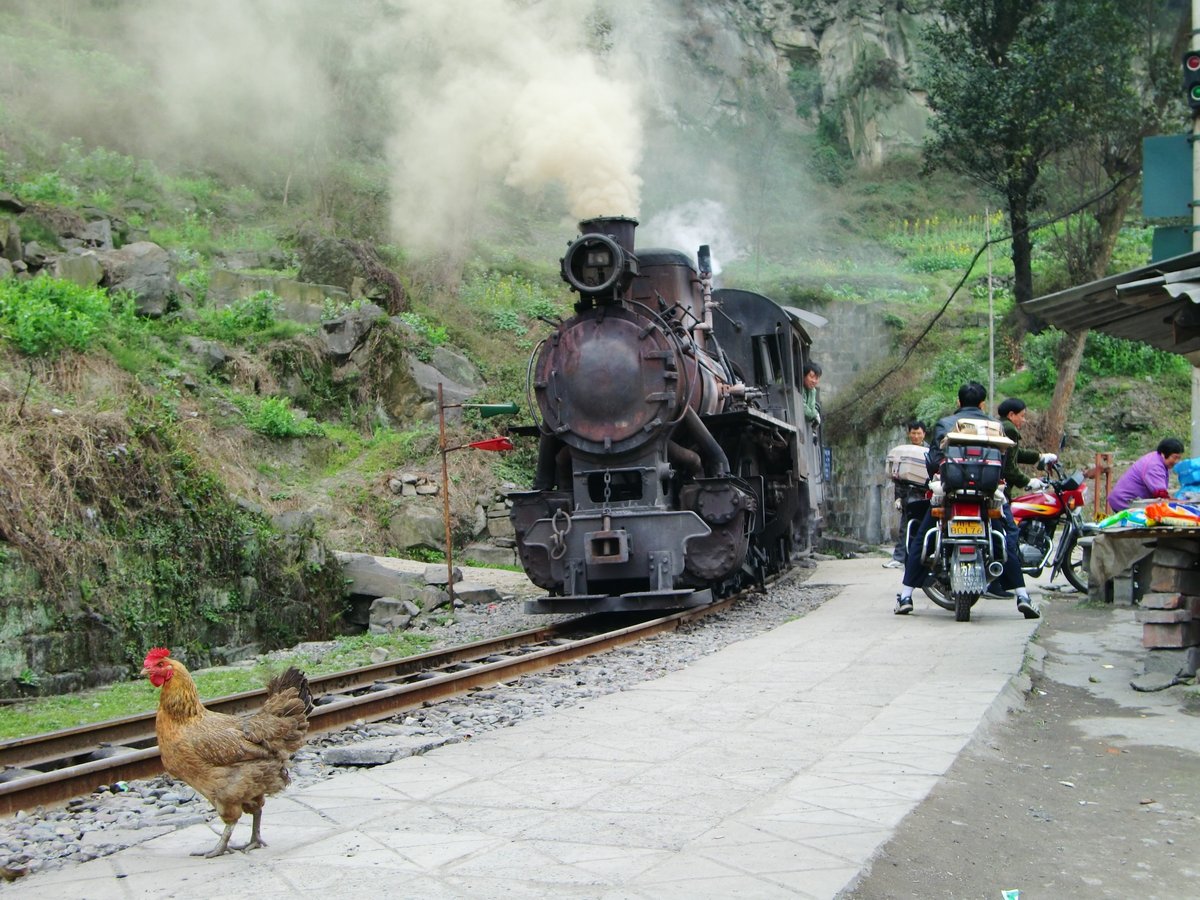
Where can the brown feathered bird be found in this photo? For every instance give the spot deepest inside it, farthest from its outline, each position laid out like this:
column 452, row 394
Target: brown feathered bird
column 234, row 761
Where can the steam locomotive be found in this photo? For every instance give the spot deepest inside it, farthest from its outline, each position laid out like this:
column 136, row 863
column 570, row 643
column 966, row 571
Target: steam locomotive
column 674, row 460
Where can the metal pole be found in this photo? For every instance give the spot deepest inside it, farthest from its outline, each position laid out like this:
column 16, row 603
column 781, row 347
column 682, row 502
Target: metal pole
column 446, row 494
column 987, row 236
column 1195, row 45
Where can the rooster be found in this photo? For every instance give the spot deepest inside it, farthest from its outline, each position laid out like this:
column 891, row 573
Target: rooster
column 234, row 761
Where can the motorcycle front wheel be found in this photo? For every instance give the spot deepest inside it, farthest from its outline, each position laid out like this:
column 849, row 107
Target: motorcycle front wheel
column 1073, row 564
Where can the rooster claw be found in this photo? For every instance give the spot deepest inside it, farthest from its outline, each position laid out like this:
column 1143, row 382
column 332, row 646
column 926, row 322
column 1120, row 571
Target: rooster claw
column 213, row 853
column 251, row 845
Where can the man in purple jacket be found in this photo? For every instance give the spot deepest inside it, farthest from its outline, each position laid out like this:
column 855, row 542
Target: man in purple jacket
column 1148, row 478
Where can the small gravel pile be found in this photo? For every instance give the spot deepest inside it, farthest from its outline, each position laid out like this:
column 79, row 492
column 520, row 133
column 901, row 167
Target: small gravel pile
column 120, row 815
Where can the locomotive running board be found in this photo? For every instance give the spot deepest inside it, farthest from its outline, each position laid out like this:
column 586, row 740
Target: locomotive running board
column 682, row 598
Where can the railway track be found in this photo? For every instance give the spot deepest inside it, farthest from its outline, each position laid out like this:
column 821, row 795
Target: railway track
column 51, row 768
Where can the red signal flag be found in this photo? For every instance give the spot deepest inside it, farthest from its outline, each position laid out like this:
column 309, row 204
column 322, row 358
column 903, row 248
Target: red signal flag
column 496, row 444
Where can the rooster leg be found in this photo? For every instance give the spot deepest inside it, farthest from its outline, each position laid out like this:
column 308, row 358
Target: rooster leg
column 256, row 840
column 222, row 845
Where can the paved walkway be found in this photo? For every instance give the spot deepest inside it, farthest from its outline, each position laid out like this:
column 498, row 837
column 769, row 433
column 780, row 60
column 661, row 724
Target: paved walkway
column 773, row 768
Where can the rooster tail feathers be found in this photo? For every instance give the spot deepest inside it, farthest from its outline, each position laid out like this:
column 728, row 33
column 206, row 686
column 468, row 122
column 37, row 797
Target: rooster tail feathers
column 292, row 678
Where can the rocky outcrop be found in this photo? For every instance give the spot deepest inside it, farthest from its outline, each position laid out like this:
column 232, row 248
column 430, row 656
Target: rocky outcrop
column 299, row 300
column 355, row 267
column 144, row 269
column 851, row 59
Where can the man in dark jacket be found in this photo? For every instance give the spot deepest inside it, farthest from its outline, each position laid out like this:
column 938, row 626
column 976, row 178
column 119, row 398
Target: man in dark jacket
column 970, row 406
column 1012, row 418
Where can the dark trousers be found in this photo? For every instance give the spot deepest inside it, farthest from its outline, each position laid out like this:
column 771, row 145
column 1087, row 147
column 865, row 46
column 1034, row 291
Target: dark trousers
column 912, row 512
column 915, row 573
column 914, row 503
column 1013, row 577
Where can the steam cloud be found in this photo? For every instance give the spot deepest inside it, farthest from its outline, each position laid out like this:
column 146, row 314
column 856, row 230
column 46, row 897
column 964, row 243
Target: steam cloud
column 691, row 224
column 471, row 99
column 496, row 91
column 231, row 72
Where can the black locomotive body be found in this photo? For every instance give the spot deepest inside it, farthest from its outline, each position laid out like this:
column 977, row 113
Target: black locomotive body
column 674, row 461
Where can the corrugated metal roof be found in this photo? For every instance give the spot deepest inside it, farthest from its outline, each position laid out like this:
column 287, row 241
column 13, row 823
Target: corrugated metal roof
column 1158, row 304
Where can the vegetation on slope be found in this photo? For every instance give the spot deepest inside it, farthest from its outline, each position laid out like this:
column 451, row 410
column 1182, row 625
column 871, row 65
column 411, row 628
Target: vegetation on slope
column 147, row 499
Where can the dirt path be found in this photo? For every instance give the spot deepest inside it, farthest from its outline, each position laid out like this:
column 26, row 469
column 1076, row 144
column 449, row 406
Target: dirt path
column 1091, row 790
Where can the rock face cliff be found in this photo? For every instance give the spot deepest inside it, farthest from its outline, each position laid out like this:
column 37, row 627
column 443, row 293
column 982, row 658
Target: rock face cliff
column 850, row 61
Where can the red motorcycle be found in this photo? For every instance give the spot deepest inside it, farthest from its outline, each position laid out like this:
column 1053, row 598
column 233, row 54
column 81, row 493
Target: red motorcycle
column 1057, row 509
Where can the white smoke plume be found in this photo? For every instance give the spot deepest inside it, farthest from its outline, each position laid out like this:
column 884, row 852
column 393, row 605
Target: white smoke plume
column 230, row 72
column 493, row 92
column 686, row 226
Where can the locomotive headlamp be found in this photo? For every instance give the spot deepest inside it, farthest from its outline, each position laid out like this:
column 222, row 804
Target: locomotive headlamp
column 596, row 264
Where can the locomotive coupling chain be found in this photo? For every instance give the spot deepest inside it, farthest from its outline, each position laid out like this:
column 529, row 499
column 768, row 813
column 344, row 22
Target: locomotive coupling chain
column 559, row 532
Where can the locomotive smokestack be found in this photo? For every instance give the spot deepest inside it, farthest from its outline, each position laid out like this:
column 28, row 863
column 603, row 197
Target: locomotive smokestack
column 600, row 264
column 619, row 228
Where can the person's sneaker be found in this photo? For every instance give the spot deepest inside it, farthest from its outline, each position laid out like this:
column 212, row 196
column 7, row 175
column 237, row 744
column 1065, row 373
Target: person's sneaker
column 893, row 564
column 998, row 595
column 903, row 605
column 1026, row 608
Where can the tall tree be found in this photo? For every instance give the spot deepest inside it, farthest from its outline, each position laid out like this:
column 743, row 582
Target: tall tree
column 1011, row 83
column 1155, row 36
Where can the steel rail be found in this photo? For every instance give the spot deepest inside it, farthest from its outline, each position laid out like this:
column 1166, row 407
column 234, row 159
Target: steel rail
column 47, row 788
column 129, row 731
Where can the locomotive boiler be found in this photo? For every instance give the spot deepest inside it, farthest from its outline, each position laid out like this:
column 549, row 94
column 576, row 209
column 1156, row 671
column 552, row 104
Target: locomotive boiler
column 674, row 461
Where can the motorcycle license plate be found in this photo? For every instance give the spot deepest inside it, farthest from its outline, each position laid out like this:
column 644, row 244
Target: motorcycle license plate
column 966, row 528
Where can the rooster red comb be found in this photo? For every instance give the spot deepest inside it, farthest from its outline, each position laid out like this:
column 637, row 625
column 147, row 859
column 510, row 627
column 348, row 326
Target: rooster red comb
column 155, row 655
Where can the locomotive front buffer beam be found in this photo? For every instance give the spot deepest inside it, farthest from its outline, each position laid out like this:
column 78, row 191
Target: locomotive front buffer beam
column 608, row 569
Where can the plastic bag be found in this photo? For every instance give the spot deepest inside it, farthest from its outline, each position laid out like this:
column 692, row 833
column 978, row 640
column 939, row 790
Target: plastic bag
column 1126, row 518
column 1188, row 473
column 1170, row 512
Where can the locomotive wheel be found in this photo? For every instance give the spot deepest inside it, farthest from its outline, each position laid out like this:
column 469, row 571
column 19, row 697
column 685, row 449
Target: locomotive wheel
column 1073, row 568
column 937, row 590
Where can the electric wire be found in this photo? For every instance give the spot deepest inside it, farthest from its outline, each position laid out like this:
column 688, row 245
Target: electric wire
column 970, row 267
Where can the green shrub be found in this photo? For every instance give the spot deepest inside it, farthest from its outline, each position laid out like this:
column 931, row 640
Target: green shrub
column 49, row 187
column 1106, row 356
column 44, row 316
column 196, row 281
column 256, row 313
column 508, row 299
column 954, row 368
column 434, row 335
column 274, row 417
column 1040, row 353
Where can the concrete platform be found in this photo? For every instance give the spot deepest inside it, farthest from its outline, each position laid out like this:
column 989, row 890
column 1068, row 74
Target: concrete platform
column 773, row 768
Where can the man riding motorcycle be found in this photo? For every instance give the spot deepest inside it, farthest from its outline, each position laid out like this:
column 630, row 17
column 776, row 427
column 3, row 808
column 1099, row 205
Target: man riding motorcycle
column 971, row 397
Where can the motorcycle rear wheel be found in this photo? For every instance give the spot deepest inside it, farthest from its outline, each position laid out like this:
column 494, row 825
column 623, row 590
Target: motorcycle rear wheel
column 938, row 590
column 962, row 606
column 1072, row 566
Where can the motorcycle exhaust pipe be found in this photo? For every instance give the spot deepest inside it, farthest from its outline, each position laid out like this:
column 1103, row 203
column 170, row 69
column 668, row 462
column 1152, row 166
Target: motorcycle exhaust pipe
column 995, row 568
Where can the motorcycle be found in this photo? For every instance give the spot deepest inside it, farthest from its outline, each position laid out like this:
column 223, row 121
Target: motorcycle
column 964, row 551
column 1041, row 514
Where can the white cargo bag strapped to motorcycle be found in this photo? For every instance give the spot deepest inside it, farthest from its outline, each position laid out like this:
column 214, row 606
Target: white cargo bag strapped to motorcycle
column 977, row 431
column 973, row 456
column 906, row 462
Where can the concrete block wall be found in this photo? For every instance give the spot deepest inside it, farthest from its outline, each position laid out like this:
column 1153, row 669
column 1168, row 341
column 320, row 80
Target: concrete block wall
column 859, row 498
column 861, row 495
